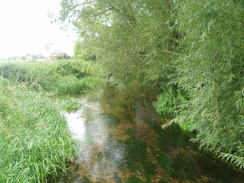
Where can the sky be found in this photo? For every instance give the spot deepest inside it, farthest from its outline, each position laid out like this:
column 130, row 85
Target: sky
column 25, row 28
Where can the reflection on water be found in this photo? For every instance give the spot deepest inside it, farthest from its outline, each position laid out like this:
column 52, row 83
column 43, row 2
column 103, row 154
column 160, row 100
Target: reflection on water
column 76, row 125
column 121, row 140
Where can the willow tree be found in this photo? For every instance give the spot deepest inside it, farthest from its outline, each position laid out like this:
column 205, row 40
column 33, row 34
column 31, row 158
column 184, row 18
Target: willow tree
column 195, row 45
column 133, row 39
column 210, row 69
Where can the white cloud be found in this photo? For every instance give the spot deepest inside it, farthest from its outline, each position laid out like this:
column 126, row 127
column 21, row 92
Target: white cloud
column 25, row 28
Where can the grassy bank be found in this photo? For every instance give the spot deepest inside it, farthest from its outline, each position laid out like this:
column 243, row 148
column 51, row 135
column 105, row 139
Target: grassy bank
column 57, row 77
column 34, row 139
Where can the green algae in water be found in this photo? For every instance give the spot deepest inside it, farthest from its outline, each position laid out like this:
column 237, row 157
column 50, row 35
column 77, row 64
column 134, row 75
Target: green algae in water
column 137, row 157
column 216, row 170
column 134, row 180
column 124, row 106
column 84, row 180
column 110, row 119
column 116, row 178
column 149, row 168
column 130, row 132
column 99, row 157
column 76, row 167
column 154, row 125
column 165, row 162
column 75, row 179
column 162, row 181
column 128, row 118
column 90, row 118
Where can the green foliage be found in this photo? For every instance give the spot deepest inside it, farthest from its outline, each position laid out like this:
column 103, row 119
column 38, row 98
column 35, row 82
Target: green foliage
column 134, row 180
column 126, row 36
column 78, row 50
column 34, row 139
column 111, row 119
column 70, row 104
column 236, row 160
column 13, row 72
column 169, row 101
column 81, row 51
column 69, row 69
column 5, row 105
column 195, row 45
column 210, row 68
column 53, row 76
column 70, row 84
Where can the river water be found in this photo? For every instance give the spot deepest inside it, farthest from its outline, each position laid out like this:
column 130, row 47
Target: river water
column 121, row 141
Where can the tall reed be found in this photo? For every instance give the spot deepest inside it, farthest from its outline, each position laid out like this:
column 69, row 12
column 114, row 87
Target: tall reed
column 35, row 141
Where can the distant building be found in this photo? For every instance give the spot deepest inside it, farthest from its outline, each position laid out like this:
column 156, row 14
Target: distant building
column 59, row 56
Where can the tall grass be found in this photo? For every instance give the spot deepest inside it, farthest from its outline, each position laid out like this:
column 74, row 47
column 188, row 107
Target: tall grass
column 69, row 104
column 34, row 138
column 54, row 76
column 71, row 84
column 35, row 141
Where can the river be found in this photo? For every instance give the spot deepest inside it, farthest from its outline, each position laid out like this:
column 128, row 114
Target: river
column 120, row 140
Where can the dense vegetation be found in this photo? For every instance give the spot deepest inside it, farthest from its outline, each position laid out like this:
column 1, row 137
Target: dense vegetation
column 34, row 139
column 191, row 50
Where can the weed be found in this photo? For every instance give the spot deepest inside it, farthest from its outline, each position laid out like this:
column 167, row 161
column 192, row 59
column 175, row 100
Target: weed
column 70, row 104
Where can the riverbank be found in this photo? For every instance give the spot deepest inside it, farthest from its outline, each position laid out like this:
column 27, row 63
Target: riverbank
column 35, row 141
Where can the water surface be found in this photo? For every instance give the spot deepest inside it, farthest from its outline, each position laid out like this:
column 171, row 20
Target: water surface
column 121, row 141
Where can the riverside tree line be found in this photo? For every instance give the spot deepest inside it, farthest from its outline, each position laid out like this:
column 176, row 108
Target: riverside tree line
column 191, row 50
